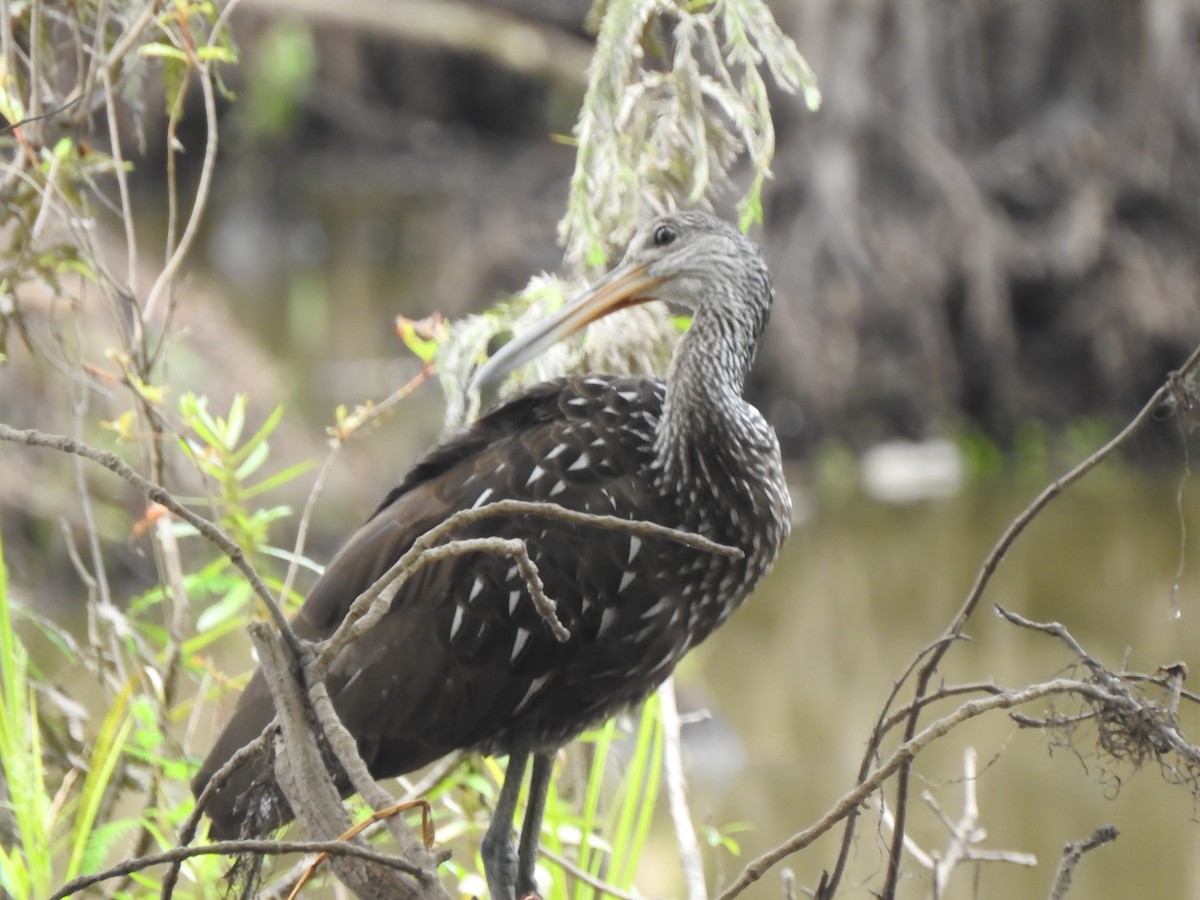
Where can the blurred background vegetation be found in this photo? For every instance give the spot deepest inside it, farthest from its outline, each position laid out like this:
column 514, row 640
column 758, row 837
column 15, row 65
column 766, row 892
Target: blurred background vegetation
column 984, row 245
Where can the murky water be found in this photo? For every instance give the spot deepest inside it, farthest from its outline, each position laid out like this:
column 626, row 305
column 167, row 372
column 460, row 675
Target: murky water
column 797, row 680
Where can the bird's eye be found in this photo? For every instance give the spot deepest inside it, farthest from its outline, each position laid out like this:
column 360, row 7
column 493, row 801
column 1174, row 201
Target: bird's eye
column 663, row 235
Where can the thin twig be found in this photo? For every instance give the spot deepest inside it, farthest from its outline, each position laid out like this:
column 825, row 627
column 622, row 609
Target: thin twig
column 1152, row 719
column 830, row 879
column 167, row 276
column 305, row 518
column 188, row 831
column 988, row 569
column 29, row 120
column 685, row 833
column 175, row 610
column 1073, row 853
column 903, row 756
column 305, row 779
column 435, row 776
column 344, row 747
column 964, row 834
column 437, row 773
column 364, row 604
column 586, row 877
column 367, row 414
column 368, row 827
column 127, row 217
column 230, row 848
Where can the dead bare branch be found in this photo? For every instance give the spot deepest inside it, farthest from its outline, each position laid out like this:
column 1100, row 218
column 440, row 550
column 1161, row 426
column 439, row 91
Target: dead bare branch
column 227, row 848
column 305, row 780
column 903, row 756
column 685, row 833
column 365, row 607
column 987, row 570
column 1073, row 853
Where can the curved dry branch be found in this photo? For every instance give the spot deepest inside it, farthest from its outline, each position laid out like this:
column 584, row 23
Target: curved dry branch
column 992, row 561
column 374, row 601
column 903, row 756
column 227, row 848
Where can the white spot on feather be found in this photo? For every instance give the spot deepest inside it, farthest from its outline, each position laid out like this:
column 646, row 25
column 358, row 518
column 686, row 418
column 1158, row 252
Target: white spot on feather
column 483, row 498
column 519, row 644
column 626, row 580
column 557, row 489
column 537, row 473
column 457, row 623
column 627, row 395
column 475, row 589
column 635, row 544
column 582, row 463
column 606, row 620
column 665, row 661
column 655, row 609
column 535, row 688
column 514, row 598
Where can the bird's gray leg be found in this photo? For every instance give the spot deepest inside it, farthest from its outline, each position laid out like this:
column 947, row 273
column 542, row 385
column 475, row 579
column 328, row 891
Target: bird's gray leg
column 539, row 784
column 499, row 855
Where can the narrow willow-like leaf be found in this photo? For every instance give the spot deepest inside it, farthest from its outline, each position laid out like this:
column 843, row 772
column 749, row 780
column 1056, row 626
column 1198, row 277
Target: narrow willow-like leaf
column 106, row 751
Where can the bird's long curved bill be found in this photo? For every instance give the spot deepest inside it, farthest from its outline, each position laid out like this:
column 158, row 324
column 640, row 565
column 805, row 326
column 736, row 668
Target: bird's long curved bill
column 626, row 285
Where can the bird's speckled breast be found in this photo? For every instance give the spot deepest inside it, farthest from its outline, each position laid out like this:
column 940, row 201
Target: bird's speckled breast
column 633, row 604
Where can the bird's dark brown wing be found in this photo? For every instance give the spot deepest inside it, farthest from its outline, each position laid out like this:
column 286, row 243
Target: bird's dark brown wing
column 463, row 659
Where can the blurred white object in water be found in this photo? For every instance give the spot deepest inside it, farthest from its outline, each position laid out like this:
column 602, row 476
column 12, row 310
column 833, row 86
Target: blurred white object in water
column 905, row 472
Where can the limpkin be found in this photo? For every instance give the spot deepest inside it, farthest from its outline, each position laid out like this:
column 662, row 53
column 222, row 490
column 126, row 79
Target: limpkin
column 463, row 659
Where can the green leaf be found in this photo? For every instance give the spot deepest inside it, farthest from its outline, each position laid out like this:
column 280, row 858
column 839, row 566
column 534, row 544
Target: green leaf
column 194, row 411
column 289, row 557
column 214, row 632
column 63, row 149
column 279, row 478
column 216, row 54
column 253, row 462
column 232, row 432
column 165, row 51
column 230, row 605
column 259, row 437
column 425, row 349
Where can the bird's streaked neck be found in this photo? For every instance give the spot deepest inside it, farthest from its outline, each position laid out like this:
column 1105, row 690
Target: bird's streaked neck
column 704, row 408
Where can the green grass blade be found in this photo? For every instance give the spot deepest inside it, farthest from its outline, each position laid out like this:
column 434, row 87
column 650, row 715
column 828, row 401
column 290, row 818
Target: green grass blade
column 107, row 750
column 28, row 866
column 649, row 795
column 591, row 807
column 637, row 793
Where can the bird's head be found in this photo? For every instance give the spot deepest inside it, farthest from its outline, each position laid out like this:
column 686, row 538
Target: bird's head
column 691, row 259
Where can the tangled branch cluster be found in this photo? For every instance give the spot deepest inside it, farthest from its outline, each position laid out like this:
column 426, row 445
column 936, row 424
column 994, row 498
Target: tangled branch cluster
column 1132, row 727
